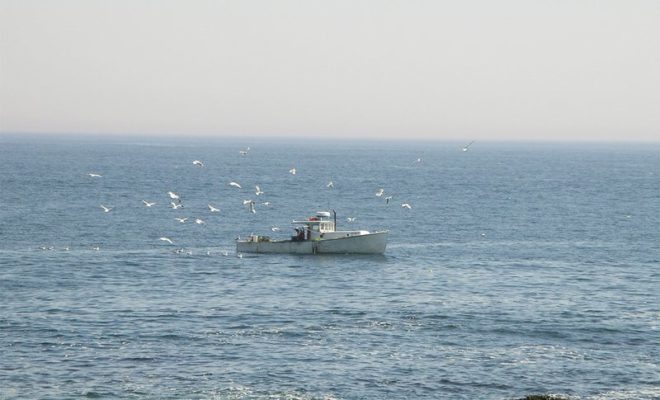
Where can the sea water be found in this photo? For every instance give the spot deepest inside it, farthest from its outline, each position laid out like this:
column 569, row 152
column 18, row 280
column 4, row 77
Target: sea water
column 521, row 268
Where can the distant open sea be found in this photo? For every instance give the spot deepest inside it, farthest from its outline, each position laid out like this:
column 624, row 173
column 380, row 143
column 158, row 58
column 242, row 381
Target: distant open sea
column 521, row 268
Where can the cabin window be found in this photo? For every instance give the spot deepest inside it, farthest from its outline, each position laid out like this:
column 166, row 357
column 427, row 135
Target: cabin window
column 315, row 228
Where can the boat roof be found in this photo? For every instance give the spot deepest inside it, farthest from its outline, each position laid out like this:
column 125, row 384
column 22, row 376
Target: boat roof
column 314, row 220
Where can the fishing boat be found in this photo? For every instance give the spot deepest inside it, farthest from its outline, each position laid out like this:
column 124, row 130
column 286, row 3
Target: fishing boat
column 317, row 235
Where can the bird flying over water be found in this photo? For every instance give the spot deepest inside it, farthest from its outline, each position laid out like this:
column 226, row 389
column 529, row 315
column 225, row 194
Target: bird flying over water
column 330, row 185
column 258, row 191
column 174, row 196
column 198, row 163
column 106, row 209
column 176, row 206
column 93, row 175
column 350, row 219
column 182, row 220
column 250, row 204
column 466, row 147
column 244, row 152
column 406, row 205
column 213, row 209
column 234, row 184
column 168, row 240
column 292, row 171
column 199, row 221
column 380, row 192
column 146, row 203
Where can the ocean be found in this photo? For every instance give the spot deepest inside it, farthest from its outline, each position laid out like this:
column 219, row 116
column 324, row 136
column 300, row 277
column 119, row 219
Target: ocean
column 520, row 269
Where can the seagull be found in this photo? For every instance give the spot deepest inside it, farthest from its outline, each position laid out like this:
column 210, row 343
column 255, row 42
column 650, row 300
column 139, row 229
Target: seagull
column 387, row 199
column 275, row 228
column 182, row 220
column 250, row 204
column 406, row 205
column 176, row 206
column 244, row 152
column 418, row 161
column 350, row 219
column 379, row 192
column 239, row 255
column 106, row 209
column 258, row 191
column 225, row 253
column 168, row 240
column 198, row 163
column 174, row 196
column 93, row 175
column 266, row 203
column 330, row 184
column 213, row 209
column 292, row 171
column 199, row 221
column 146, row 203
column 97, row 248
column 234, row 184
column 468, row 146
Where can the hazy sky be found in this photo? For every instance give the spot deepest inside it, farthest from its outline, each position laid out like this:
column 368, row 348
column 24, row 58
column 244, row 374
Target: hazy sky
column 533, row 70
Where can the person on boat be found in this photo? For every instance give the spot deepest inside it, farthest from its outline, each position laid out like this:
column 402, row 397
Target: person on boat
column 300, row 234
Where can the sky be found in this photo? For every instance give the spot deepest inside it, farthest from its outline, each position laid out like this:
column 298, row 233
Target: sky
column 409, row 69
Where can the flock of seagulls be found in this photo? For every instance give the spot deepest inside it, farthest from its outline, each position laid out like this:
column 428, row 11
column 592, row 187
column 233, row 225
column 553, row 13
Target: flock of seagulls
column 176, row 202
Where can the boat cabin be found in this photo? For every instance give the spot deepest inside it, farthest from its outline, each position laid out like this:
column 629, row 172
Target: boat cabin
column 320, row 227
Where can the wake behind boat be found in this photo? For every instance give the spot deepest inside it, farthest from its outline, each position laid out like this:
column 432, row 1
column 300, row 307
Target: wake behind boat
column 317, row 235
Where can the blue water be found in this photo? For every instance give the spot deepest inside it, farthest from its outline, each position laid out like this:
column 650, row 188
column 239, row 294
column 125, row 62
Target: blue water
column 520, row 269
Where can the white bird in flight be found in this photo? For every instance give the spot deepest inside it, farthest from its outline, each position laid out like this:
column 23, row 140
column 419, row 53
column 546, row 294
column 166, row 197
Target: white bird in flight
column 292, row 171
column 182, row 220
column 258, row 191
column 244, row 152
column 387, row 199
column 213, row 209
column 106, row 209
column 330, row 184
column 275, row 228
column 93, row 175
column 379, row 192
column 198, row 163
column 165, row 239
column 466, row 147
column 406, row 205
column 199, row 221
column 176, row 206
column 250, row 204
column 234, row 184
column 174, row 196
column 146, row 203
column 350, row 219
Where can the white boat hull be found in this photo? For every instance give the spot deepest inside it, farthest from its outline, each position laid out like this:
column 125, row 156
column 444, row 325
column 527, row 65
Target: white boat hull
column 371, row 243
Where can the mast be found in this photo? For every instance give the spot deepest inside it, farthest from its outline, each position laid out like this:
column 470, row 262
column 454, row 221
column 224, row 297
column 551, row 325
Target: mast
column 335, row 219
